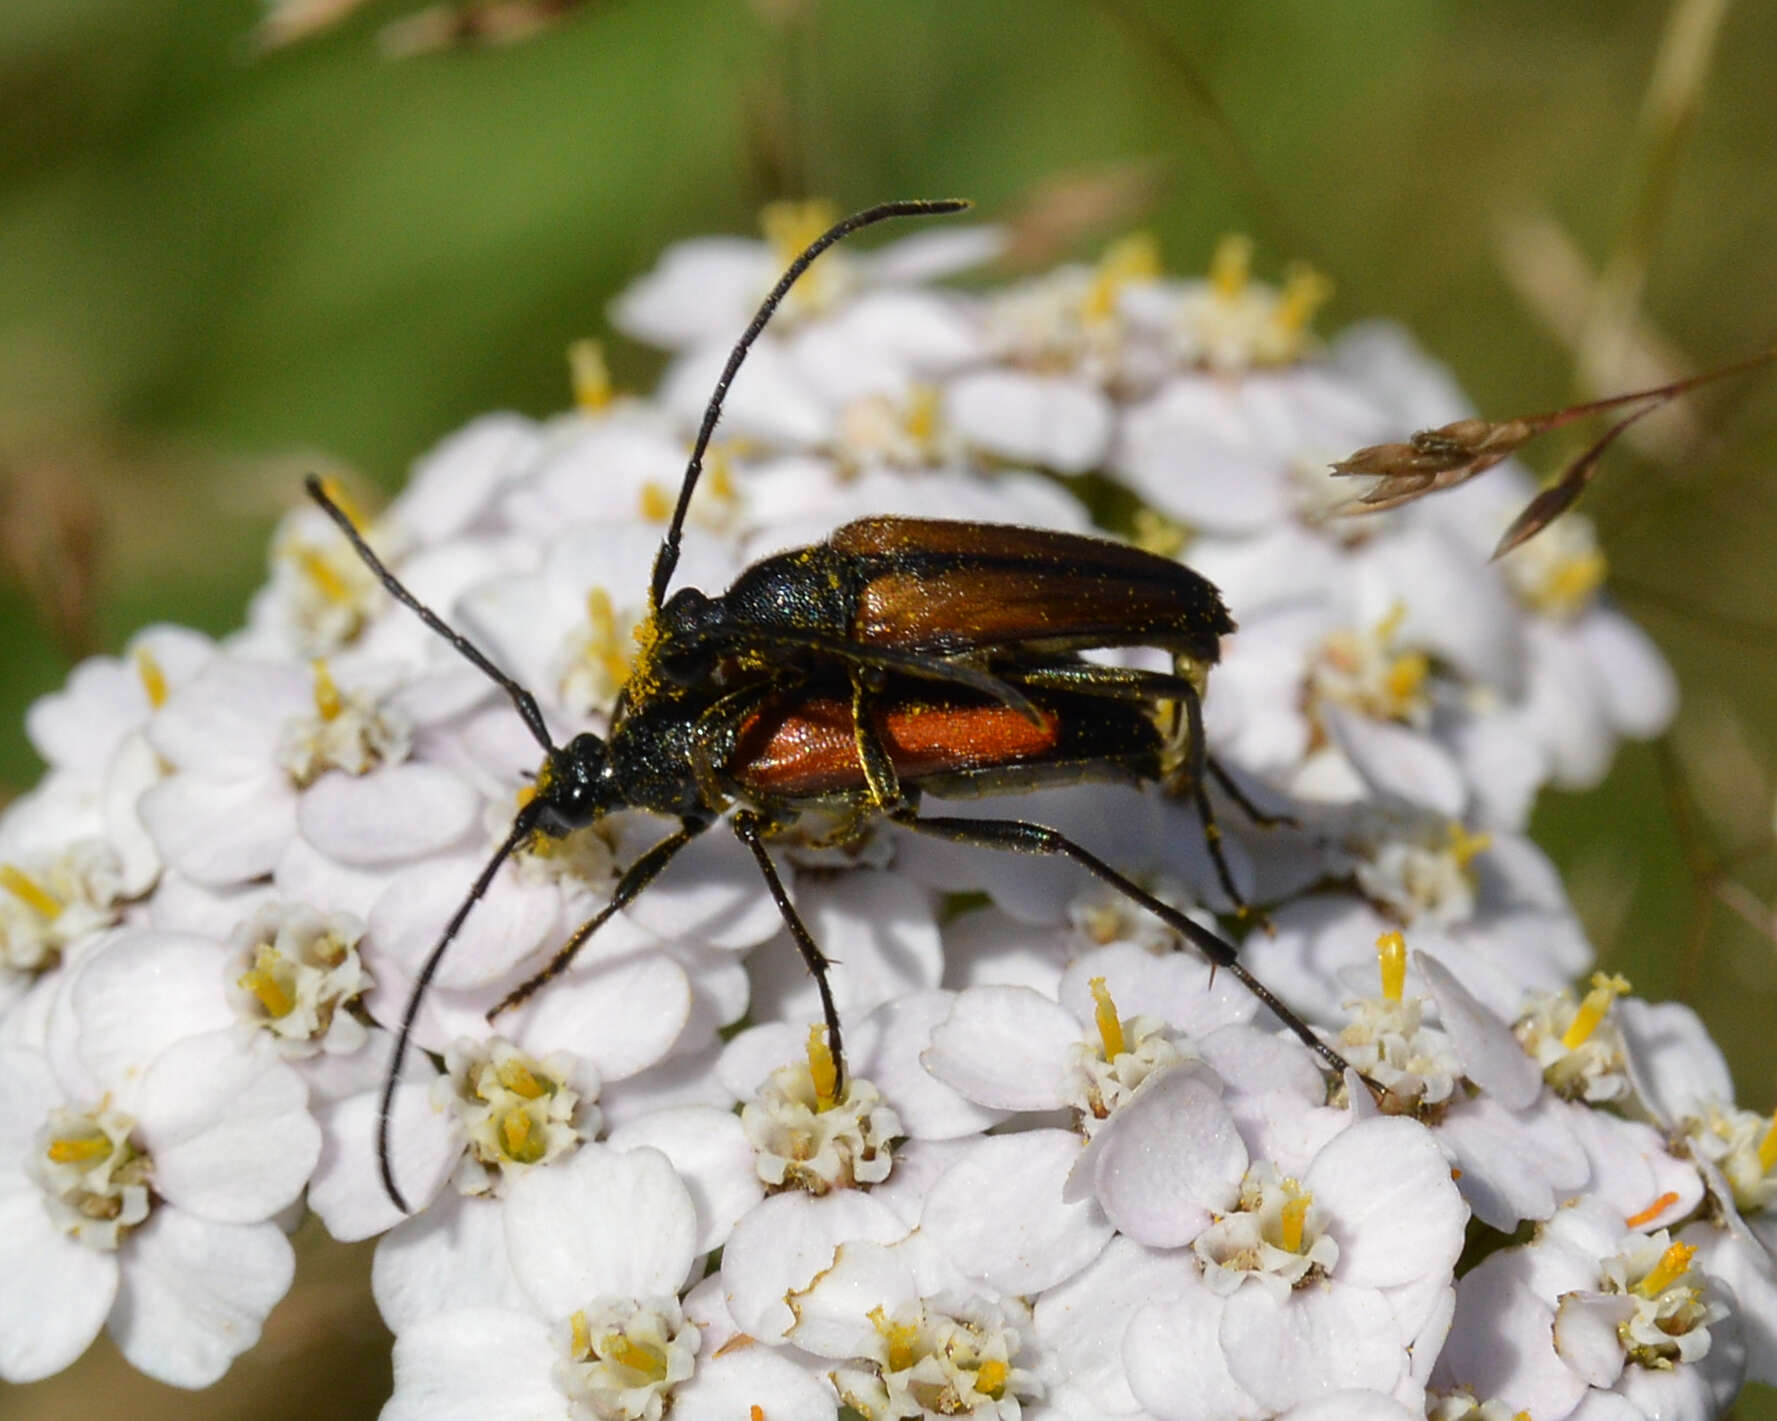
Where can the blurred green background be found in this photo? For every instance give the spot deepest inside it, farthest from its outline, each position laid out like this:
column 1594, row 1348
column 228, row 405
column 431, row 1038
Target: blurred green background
column 224, row 265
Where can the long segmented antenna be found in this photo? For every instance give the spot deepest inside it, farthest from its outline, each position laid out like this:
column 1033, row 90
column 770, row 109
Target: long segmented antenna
column 668, row 557
column 522, row 827
column 522, row 700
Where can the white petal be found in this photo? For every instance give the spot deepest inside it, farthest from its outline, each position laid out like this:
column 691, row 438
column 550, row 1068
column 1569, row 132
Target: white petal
column 1179, row 988
column 226, row 720
column 1398, row 762
column 699, row 289
column 888, row 1047
column 622, row 1017
column 512, row 920
column 932, row 254
column 711, row 893
column 1052, row 421
column 228, row 1126
column 1638, row 691
column 1350, row 1406
column 833, row 1315
column 1314, row 1341
column 779, row 1247
column 139, row 995
column 1394, row 1210
column 729, row 1386
column 195, row 1294
column 1586, row 1334
column 1000, row 1216
column 58, row 1292
column 347, row 1189
column 769, row 400
column 220, row 831
column 1507, row 1161
column 453, row 482
column 1167, row 1160
column 393, row 814
column 451, row 1256
column 713, row 1159
column 473, row 1364
column 1500, row 1342
column 1004, row 1047
column 1491, row 1056
column 1677, row 1068
column 1177, row 1369
column 603, row 1223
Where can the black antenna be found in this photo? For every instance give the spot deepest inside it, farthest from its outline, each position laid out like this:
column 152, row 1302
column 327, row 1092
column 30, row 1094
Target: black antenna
column 668, row 556
column 521, row 830
column 522, row 699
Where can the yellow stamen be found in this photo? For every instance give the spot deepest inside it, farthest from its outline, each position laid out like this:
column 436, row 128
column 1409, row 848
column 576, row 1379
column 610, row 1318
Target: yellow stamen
column 1110, row 1025
column 822, row 1069
column 922, row 413
column 1652, row 1212
column 1406, row 676
column 627, row 1352
column 900, row 1337
column 1571, row 583
column 1674, row 1263
column 1128, row 259
column 656, row 502
column 718, row 475
column 1295, row 1218
column 153, row 679
column 580, row 1343
column 1465, row 847
column 1605, row 990
column 1156, row 533
column 791, row 226
column 342, row 500
column 328, row 701
column 1305, row 291
column 516, row 1076
column 1231, row 266
column 1390, row 625
column 604, row 640
column 30, row 892
column 263, row 983
column 322, row 573
column 990, row 1378
column 590, row 375
column 1391, row 959
column 755, row 1413
column 1767, row 1150
column 516, row 1137
column 82, row 1150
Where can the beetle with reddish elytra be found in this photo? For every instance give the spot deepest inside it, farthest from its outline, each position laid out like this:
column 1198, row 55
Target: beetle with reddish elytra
column 901, row 657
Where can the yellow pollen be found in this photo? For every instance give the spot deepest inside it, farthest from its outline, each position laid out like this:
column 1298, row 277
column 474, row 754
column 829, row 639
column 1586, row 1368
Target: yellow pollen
column 1391, row 959
column 342, row 500
column 590, row 375
column 900, row 1337
column 322, row 573
column 516, row 1076
column 1295, row 1218
column 526, row 793
column 153, row 679
column 1571, row 583
column 990, row 1378
column 1673, row 1265
column 718, row 475
column 822, row 1070
column 1110, row 1025
column 1652, row 1212
column 328, row 701
column 30, row 892
column 627, row 1352
column 656, row 502
column 1231, row 266
column 1465, row 847
column 1305, row 291
column 755, row 1413
column 580, row 1342
column 1128, row 259
column 83, row 1149
column 922, row 413
column 1406, row 676
column 1156, row 533
column 516, row 1136
column 604, row 642
column 1390, row 625
column 1767, row 1149
column 1522, row 1416
column 263, row 983
column 1605, row 990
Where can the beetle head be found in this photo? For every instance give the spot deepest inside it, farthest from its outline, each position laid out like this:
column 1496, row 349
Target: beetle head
column 575, row 786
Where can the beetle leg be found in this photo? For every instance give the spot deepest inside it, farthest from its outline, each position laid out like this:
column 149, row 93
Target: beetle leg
column 750, row 829
column 1021, row 836
column 635, row 878
column 879, row 770
column 1264, row 818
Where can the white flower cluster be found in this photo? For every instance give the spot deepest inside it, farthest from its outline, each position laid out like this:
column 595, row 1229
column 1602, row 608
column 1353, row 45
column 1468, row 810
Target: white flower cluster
column 1071, row 1172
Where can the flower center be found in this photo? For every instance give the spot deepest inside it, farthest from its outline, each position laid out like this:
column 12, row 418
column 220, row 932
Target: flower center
column 1673, row 1309
column 347, row 732
column 94, row 1180
column 1578, row 1047
column 1365, row 671
column 932, row 1362
column 515, row 1111
column 1388, row 1041
column 1099, row 1075
column 1559, row 572
column 56, row 900
column 806, row 1134
column 293, row 971
column 1423, row 883
column 329, row 593
column 790, row 227
column 149, row 673
column 1275, row 1235
column 625, row 1356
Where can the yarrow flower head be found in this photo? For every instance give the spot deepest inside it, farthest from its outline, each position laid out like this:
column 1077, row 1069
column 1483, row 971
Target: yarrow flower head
column 1063, row 1167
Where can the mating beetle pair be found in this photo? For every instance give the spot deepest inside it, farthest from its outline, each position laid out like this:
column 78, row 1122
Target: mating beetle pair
column 900, row 657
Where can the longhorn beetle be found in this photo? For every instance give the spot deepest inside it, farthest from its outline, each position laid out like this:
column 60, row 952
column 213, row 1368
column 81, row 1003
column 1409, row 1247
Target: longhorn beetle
column 902, row 655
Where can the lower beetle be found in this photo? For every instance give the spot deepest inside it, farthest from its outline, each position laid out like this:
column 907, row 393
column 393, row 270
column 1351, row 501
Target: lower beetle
column 898, row 657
